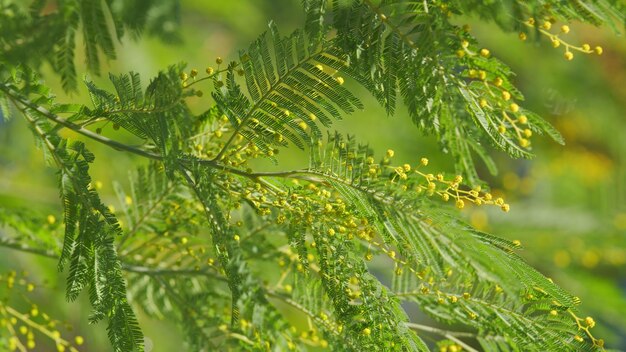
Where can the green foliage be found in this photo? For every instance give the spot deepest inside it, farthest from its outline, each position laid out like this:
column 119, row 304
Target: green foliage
column 89, row 231
column 201, row 231
column 441, row 248
column 598, row 13
column 391, row 43
column 47, row 32
column 288, row 93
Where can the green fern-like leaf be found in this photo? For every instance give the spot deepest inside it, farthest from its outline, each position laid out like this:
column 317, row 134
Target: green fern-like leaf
column 289, row 92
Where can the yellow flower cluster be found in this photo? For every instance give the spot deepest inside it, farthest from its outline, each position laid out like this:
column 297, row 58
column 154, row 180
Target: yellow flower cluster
column 212, row 139
column 210, row 71
column 465, row 50
column 311, row 337
column 511, row 116
column 584, row 325
column 451, row 348
column 448, row 189
column 23, row 326
column 556, row 41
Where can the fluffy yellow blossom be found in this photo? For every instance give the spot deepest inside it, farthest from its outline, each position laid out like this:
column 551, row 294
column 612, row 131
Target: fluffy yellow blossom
column 523, row 119
column 51, row 219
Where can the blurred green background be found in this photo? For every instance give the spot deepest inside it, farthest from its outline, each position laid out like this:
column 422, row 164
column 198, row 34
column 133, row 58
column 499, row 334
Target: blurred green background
column 568, row 205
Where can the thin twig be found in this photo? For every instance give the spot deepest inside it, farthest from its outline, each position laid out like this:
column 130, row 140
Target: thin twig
column 74, row 127
column 9, row 243
column 451, row 335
